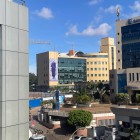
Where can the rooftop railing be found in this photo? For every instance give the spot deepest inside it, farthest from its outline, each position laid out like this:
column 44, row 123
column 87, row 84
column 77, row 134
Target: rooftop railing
column 21, row 2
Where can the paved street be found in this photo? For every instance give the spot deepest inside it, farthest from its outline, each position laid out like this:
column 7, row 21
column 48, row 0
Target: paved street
column 49, row 133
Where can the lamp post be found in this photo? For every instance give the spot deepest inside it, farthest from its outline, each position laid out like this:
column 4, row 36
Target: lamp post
column 71, row 137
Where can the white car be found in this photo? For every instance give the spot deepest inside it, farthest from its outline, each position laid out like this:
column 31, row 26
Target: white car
column 80, row 138
column 37, row 137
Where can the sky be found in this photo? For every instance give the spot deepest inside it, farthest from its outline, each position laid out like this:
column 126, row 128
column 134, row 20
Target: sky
column 74, row 24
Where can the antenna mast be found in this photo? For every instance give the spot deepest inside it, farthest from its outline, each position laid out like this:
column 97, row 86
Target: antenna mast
column 118, row 13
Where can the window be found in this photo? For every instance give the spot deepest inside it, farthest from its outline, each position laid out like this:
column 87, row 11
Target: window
column 91, row 68
column 87, row 68
column 105, row 62
column 119, row 60
column 95, row 68
column 102, row 68
column 133, row 76
column 99, row 74
column 118, row 51
column 129, row 76
column 118, row 33
column 102, row 62
column 95, row 62
column 87, row 75
column 99, row 62
column 95, row 74
column 91, row 62
column 87, row 63
column 137, row 76
column 105, row 68
column 118, row 42
column 91, row 75
column 99, row 68
column 102, row 74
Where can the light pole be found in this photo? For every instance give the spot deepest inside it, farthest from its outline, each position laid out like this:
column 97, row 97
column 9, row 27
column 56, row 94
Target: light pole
column 71, row 137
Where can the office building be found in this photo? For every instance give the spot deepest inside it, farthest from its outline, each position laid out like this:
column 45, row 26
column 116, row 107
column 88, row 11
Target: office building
column 97, row 67
column 65, row 68
column 128, row 58
column 14, row 83
column 55, row 68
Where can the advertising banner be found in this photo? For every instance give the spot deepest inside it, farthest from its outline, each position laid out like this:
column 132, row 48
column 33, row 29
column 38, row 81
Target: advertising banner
column 53, row 68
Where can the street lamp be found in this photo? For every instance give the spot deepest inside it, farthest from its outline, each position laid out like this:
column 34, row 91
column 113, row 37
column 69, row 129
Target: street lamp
column 71, row 137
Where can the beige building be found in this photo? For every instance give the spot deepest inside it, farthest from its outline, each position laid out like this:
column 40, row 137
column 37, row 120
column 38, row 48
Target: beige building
column 107, row 46
column 45, row 63
column 97, row 67
column 99, row 64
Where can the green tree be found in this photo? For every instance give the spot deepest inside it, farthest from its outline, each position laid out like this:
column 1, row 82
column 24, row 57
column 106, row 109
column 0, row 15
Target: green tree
column 138, row 98
column 83, row 99
column 79, row 118
column 122, row 98
column 102, row 89
column 32, row 81
column 134, row 135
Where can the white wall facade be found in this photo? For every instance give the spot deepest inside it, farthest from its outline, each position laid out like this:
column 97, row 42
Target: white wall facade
column 14, row 93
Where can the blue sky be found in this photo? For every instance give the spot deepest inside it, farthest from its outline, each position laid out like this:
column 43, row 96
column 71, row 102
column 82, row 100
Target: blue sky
column 79, row 22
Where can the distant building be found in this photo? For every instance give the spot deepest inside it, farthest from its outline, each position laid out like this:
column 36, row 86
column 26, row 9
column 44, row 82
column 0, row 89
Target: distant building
column 61, row 69
column 97, row 67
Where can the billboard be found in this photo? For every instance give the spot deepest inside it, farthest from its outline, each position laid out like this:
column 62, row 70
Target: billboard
column 53, row 70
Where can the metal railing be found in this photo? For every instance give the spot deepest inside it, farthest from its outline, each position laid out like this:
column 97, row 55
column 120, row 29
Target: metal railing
column 21, row 2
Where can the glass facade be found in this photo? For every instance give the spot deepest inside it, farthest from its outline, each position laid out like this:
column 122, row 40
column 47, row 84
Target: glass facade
column 71, row 70
column 122, row 83
column 131, row 46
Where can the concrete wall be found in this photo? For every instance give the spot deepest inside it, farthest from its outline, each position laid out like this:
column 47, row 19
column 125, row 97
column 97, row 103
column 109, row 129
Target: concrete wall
column 14, row 90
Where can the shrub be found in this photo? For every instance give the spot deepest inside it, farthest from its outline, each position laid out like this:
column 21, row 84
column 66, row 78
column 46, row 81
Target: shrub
column 80, row 118
column 84, row 99
column 122, row 98
column 138, row 98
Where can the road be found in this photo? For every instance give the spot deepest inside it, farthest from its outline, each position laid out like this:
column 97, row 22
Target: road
column 49, row 133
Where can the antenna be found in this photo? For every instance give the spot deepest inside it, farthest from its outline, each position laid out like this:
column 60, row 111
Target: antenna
column 118, row 12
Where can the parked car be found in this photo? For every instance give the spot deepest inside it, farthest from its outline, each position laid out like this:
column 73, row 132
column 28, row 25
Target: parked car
column 38, row 137
column 82, row 138
column 79, row 138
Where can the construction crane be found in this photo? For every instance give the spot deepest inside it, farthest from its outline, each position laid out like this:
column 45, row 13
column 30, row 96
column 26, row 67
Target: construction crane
column 39, row 42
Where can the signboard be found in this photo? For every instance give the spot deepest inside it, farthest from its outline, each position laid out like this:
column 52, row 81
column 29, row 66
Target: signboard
column 53, row 70
column 133, row 21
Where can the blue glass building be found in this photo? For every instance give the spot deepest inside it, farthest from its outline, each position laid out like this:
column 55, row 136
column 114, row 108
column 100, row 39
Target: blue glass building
column 130, row 46
column 71, row 70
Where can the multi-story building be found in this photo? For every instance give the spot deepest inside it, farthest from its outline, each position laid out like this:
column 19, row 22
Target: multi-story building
column 107, row 46
column 14, row 71
column 128, row 56
column 97, row 67
column 55, row 68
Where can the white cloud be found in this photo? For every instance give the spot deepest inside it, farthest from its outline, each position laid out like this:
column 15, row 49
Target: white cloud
column 72, row 30
column 135, row 9
column 103, row 29
column 93, row 2
column 45, row 13
column 112, row 9
column 32, row 69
